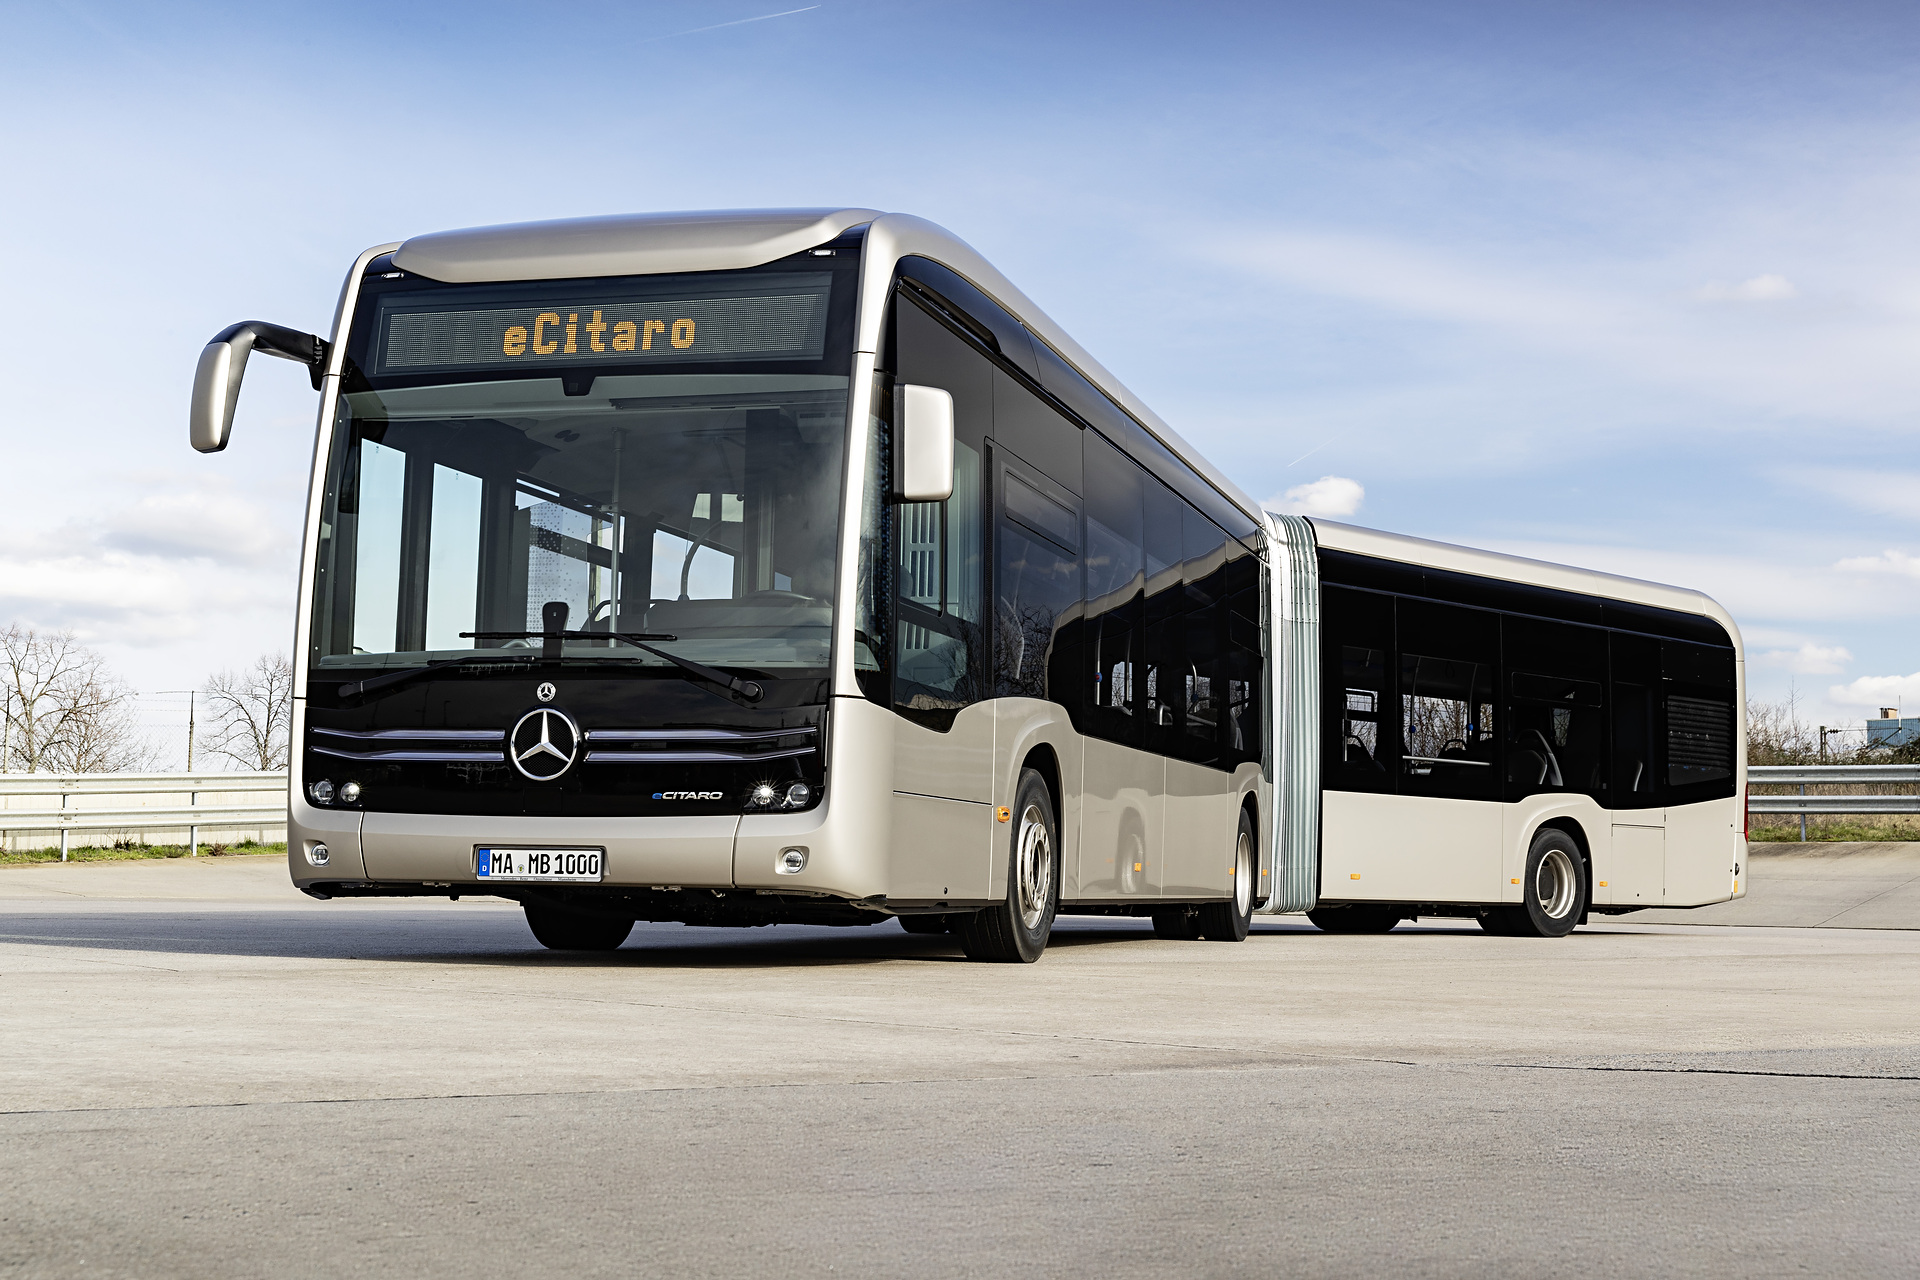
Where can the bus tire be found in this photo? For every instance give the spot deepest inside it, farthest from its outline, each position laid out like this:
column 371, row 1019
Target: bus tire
column 1229, row 921
column 559, row 930
column 923, row 924
column 1354, row 919
column 1015, row 931
column 1554, row 887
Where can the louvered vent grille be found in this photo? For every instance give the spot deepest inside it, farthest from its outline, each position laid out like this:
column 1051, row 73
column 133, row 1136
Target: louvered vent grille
column 1699, row 740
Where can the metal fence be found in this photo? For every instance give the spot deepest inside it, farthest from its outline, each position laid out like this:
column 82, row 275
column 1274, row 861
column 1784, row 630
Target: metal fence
column 134, row 806
column 1843, row 789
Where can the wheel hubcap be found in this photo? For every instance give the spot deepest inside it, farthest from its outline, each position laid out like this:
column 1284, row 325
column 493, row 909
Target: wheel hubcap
column 1243, row 874
column 1554, row 884
column 1035, row 867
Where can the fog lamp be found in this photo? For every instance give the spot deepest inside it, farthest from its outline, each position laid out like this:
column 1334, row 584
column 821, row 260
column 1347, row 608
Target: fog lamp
column 318, row 855
column 349, row 792
column 798, row 794
column 763, row 795
column 322, row 791
column 792, row 861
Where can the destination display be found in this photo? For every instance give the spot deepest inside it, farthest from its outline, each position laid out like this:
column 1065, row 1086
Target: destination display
column 783, row 318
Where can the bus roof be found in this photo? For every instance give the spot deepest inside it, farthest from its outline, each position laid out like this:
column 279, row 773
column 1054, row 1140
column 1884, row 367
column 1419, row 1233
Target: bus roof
column 1334, row 536
column 727, row 240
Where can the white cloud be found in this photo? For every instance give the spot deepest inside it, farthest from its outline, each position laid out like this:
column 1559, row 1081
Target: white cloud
column 1882, row 491
column 1897, row 563
column 1878, row 691
column 1328, row 496
column 1807, row 660
column 1768, row 288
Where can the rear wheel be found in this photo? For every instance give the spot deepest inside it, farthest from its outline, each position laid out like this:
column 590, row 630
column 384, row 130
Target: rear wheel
column 923, row 924
column 1229, row 921
column 561, row 930
column 1555, row 890
column 1015, row 931
column 1354, row 919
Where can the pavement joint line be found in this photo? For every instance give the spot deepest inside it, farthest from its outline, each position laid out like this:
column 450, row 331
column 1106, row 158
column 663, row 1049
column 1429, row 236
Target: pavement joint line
column 672, row 1088
column 1825, row 924
column 1695, row 1071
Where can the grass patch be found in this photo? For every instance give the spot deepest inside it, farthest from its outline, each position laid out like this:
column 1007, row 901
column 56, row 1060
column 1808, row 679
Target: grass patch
column 128, row 851
column 1866, row 827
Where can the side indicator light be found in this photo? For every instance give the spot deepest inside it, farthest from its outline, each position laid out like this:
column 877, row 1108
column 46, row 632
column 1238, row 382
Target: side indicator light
column 1603, row 884
column 1353, row 875
column 1136, row 866
column 1515, row 880
column 1003, row 814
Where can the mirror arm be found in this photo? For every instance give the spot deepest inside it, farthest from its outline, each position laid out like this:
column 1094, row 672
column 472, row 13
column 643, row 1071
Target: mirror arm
column 216, row 383
column 308, row 349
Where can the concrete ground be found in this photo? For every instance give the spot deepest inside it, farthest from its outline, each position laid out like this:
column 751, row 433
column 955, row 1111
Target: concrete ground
column 204, row 1074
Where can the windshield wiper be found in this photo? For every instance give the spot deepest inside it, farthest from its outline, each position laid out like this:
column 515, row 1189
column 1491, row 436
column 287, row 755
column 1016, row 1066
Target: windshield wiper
column 748, row 689
column 553, row 621
column 373, row 684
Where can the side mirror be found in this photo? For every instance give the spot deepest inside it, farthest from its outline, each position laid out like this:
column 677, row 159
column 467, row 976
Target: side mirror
column 216, row 383
column 923, row 450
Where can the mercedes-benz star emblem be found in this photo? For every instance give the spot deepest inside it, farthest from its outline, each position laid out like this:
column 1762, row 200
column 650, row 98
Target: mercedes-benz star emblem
column 546, row 691
column 543, row 744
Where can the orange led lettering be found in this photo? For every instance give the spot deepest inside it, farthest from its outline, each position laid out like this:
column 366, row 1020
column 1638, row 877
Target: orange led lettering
column 541, row 345
column 594, row 330
column 514, row 343
column 623, row 335
column 682, row 334
column 573, row 322
column 647, row 331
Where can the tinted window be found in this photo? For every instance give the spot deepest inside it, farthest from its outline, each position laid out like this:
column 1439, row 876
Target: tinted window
column 940, row 547
column 1448, row 659
column 1116, row 582
column 1361, row 743
column 1036, row 588
column 1556, row 714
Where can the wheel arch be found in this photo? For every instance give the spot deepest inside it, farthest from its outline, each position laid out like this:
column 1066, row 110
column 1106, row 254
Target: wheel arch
column 1043, row 760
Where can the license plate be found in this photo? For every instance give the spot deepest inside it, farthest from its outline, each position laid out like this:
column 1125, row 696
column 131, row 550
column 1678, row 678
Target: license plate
column 539, row 864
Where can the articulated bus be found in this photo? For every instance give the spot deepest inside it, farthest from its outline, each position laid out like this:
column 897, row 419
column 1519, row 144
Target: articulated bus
column 792, row 566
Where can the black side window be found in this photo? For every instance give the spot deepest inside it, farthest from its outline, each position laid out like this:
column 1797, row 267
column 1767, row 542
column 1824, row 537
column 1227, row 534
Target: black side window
column 1448, row 656
column 1697, row 680
column 1556, row 714
column 939, row 556
column 1361, row 744
column 1036, row 586
column 1115, row 555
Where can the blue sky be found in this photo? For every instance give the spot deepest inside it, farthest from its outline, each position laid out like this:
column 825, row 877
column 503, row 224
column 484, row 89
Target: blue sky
column 1631, row 286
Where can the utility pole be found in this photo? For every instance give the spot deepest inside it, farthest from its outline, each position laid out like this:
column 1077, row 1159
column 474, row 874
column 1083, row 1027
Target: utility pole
column 191, row 695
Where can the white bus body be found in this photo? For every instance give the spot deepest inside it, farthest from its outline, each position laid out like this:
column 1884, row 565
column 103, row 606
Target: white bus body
column 637, row 584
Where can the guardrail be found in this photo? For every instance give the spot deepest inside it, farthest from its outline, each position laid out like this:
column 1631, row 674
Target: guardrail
column 1829, row 775
column 66, row 817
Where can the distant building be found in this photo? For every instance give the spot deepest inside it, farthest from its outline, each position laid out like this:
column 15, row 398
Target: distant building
column 1891, row 730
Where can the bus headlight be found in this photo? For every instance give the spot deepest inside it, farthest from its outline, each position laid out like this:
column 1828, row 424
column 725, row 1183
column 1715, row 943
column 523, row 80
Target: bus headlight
column 322, row 791
column 349, row 792
column 798, row 794
column 762, row 796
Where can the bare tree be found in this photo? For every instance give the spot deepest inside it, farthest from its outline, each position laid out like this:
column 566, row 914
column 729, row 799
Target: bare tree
column 65, row 712
column 249, row 713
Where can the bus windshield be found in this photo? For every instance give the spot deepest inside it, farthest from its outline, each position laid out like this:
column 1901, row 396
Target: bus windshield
column 701, row 505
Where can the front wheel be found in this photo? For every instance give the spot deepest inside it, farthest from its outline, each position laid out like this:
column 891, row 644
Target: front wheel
column 559, row 930
column 1229, row 921
column 1016, row 931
